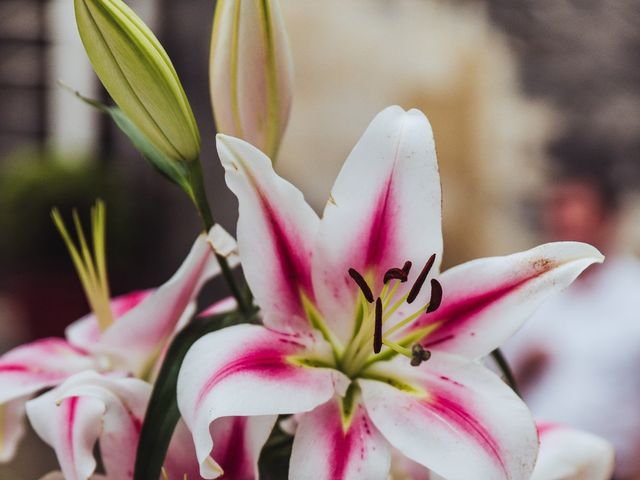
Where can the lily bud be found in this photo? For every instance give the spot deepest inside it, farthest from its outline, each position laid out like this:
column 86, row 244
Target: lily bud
column 137, row 73
column 251, row 72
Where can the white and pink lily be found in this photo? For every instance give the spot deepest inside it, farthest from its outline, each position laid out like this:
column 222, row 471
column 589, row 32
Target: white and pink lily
column 93, row 398
column 362, row 334
column 569, row 454
column 564, row 454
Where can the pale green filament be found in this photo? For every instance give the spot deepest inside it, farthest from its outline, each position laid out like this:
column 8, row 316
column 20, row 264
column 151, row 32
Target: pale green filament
column 359, row 352
column 92, row 270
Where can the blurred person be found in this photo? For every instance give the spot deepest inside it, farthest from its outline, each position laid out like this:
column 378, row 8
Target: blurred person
column 576, row 360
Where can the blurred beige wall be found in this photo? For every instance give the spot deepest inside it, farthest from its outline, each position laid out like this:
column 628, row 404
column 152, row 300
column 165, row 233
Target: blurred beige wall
column 353, row 58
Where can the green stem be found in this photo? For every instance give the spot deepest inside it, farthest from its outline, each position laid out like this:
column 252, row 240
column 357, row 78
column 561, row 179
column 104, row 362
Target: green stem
column 199, row 198
column 504, row 367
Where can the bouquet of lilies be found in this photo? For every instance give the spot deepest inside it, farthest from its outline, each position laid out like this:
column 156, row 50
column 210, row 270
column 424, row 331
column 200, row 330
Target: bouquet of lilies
column 348, row 354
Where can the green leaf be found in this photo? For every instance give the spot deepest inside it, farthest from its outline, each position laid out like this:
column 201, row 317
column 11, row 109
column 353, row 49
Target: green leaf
column 162, row 413
column 276, row 453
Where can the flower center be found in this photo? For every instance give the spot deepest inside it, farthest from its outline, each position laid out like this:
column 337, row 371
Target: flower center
column 370, row 342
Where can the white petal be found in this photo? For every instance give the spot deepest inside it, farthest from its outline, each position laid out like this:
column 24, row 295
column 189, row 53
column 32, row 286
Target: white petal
column 276, row 230
column 37, row 365
column 384, row 210
column 248, row 370
column 568, row 454
column 324, row 449
column 87, row 407
column 453, row 416
column 485, row 301
column 136, row 341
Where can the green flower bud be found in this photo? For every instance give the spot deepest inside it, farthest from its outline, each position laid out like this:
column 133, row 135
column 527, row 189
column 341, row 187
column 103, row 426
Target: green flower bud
column 137, row 73
column 251, row 72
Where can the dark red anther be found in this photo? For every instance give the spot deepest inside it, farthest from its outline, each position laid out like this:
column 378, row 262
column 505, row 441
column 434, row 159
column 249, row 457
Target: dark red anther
column 436, row 296
column 419, row 355
column 377, row 332
column 398, row 273
column 362, row 283
column 406, row 268
column 417, row 286
column 395, row 274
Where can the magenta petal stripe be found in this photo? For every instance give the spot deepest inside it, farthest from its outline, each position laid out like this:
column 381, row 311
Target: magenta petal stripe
column 276, row 231
column 384, row 209
column 249, row 370
column 453, row 416
column 326, row 449
column 486, row 301
column 43, row 363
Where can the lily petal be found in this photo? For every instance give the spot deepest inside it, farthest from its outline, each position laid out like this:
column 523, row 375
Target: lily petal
column 37, row 365
column 570, row 454
column 225, row 305
column 85, row 332
column 248, row 370
column 276, row 230
column 453, row 416
column 485, row 301
column 384, row 210
column 136, row 341
column 11, row 427
column 324, row 449
column 238, row 442
column 88, row 407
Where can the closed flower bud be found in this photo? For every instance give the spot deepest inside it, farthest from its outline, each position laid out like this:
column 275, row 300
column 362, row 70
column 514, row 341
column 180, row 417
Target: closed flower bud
column 137, row 73
column 251, row 72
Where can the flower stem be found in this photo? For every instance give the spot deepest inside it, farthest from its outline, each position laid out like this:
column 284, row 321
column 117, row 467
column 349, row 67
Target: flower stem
column 504, row 367
column 199, row 198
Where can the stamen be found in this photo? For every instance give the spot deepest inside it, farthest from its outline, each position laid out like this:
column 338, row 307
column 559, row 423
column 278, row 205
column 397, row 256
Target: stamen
column 91, row 268
column 362, row 283
column 419, row 355
column 398, row 273
column 436, row 296
column 417, row 286
column 377, row 331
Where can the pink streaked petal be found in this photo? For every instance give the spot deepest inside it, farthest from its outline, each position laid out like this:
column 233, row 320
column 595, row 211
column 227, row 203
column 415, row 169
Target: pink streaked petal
column 453, row 416
column 87, row 407
column 136, row 341
column 238, row 442
column 181, row 456
column 222, row 306
column 276, row 231
column 71, row 428
column 384, row 209
column 486, row 301
column 11, row 427
column 248, row 370
column 85, row 332
column 40, row 364
column 324, row 450
column 567, row 454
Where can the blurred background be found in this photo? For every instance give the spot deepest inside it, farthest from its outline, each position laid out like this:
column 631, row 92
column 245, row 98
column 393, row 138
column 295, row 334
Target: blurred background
column 527, row 99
